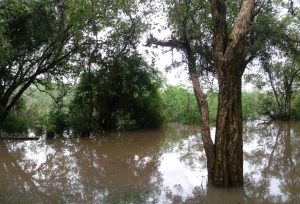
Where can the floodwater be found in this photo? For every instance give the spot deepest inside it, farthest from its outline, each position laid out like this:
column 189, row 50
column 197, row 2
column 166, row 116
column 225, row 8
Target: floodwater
column 161, row 166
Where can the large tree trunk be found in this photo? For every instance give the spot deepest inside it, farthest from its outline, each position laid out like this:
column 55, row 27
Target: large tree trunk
column 229, row 57
column 225, row 157
column 228, row 167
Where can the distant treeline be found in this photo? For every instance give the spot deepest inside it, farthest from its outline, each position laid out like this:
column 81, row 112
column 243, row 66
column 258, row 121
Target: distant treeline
column 94, row 105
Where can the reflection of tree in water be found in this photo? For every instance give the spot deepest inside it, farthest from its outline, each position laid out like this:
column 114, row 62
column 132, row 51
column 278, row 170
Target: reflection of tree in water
column 291, row 174
column 272, row 168
column 183, row 143
column 111, row 169
column 211, row 195
column 19, row 184
column 275, row 169
column 126, row 168
column 186, row 141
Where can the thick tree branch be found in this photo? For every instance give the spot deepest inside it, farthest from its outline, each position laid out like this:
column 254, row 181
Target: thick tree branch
column 30, row 80
column 240, row 27
column 173, row 43
column 218, row 12
column 201, row 101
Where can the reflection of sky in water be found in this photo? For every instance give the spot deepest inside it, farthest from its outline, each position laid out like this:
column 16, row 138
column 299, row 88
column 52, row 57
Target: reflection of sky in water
column 100, row 169
column 176, row 172
column 39, row 155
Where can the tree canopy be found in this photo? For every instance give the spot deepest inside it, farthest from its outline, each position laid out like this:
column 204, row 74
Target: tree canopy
column 45, row 39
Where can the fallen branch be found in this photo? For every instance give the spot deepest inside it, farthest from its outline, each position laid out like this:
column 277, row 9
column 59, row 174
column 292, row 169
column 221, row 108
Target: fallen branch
column 19, row 138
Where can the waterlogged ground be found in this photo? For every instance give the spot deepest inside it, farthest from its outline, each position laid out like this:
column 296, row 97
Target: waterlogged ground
column 163, row 166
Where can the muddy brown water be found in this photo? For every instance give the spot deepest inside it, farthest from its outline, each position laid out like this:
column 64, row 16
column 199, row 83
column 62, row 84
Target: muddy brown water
column 161, row 166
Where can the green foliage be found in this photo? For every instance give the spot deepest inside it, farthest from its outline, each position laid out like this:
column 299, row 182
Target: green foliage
column 57, row 121
column 296, row 107
column 42, row 40
column 36, row 44
column 25, row 25
column 280, row 81
column 38, row 107
column 212, row 100
column 257, row 105
column 250, row 103
column 58, row 115
column 18, row 120
column 45, row 39
column 15, row 123
column 121, row 95
column 179, row 105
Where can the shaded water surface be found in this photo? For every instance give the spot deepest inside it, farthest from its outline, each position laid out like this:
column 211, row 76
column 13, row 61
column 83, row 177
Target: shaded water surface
column 163, row 166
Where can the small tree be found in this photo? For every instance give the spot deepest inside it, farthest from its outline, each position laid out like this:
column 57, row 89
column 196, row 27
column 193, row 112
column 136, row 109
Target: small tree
column 281, row 80
column 280, row 68
column 123, row 94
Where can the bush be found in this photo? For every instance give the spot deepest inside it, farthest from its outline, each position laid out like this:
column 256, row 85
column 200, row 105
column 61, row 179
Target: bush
column 17, row 121
column 296, row 107
column 251, row 105
column 58, row 121
column 122, row 95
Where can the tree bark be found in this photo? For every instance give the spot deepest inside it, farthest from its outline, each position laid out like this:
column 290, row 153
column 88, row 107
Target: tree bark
column 228, row 167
